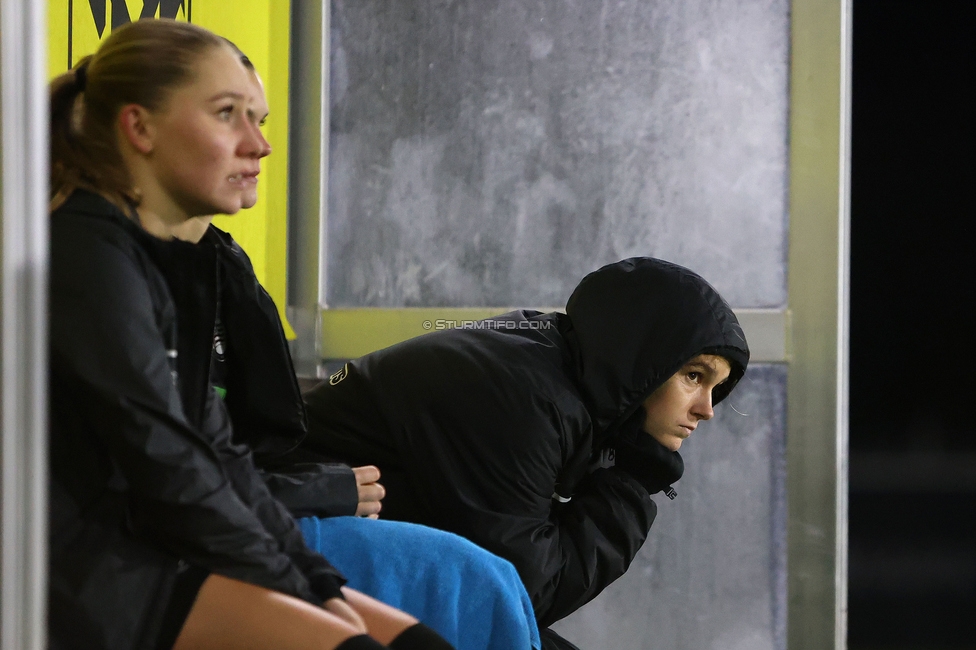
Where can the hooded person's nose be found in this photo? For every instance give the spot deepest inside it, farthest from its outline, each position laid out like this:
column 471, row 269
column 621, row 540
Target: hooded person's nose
column 702, row 408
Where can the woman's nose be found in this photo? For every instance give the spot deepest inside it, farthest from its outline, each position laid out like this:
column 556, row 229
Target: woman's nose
column 255, row 143
column 703, row 408
column 264, row 145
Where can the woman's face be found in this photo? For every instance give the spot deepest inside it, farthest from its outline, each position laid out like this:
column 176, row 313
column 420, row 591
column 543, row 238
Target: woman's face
column 206, row 148
column 257, row 113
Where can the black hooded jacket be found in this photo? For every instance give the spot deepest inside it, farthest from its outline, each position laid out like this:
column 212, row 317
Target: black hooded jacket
column 145, row 477
column 493, row 431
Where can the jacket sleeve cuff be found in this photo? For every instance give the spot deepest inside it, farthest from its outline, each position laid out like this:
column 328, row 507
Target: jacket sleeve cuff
column 315, row 489
column 326, row 586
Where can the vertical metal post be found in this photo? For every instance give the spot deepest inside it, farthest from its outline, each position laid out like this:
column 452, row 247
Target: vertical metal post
column 23, row 380
column 308, row 187
column 819, row 262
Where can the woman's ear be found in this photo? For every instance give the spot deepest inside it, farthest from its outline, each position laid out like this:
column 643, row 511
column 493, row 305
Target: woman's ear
column 136, row 125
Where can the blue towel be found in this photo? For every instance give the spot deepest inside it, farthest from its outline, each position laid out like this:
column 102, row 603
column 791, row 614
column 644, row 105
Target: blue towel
column 474, row 599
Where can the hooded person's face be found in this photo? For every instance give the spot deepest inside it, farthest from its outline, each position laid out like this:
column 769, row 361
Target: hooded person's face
column 629, row 325
column 674, row 410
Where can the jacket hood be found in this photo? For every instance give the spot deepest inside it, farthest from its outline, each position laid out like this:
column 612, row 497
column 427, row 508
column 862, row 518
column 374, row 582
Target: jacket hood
column 634, row 323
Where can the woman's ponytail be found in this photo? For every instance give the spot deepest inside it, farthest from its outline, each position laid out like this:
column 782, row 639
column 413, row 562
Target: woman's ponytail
column 65, row 131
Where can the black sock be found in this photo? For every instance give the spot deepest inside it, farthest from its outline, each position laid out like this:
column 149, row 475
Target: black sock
column 361, row 642
column 419, row 637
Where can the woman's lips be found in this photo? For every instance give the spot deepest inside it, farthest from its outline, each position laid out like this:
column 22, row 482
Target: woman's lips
column 245, row 178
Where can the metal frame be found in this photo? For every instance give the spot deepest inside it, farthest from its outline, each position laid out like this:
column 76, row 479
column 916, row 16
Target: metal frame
column 308, row 186
column 24, row 137
column 817, row 438
column 348, row 333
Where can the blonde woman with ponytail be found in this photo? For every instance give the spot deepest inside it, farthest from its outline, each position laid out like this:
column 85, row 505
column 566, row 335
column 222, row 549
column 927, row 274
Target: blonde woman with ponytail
column 162, row 535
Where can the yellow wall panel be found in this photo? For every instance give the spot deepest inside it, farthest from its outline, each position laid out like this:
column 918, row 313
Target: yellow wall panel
column 77, row 27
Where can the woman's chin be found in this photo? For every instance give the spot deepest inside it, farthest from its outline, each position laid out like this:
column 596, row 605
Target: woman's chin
column 249, row 200
column 229, row 206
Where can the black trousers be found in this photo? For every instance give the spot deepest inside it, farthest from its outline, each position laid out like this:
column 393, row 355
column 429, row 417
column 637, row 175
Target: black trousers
column 552, row 641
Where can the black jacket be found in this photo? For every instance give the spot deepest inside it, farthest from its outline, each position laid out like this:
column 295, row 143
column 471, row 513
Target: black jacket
column 144, row 474
column 263, row 397
column 492, row 428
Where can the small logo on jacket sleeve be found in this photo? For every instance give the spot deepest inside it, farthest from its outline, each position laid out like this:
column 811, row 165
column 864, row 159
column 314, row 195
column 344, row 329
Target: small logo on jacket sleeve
column 339, row 375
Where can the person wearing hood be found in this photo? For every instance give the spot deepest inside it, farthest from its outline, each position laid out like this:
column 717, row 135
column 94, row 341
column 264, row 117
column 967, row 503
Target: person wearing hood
column 527, row 432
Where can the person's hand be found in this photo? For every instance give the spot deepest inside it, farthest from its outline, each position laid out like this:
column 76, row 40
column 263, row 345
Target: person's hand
column 370, row 492
column 341, row 608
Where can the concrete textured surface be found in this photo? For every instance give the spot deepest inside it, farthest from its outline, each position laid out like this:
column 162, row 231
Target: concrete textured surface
column 493, row 153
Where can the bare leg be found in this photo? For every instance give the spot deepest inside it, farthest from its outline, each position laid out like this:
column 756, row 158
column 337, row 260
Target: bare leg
column 385, row 623
column 231, row 614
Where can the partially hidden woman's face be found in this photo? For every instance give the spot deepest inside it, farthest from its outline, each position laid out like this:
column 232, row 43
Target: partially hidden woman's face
column 674, row 410
column 206, row 149
column 257, row 112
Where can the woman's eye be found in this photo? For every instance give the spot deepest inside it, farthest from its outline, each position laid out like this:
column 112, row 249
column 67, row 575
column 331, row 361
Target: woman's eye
column 694, row 376
column 225, row 112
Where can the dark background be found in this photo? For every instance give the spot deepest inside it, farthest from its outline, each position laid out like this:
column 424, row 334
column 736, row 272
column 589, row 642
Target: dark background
column 913, row 369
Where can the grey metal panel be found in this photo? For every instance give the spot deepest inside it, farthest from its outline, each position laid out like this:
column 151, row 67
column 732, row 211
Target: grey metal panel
column 712, row 572
column 494, row 152
column 817, row 454
column 23, row 380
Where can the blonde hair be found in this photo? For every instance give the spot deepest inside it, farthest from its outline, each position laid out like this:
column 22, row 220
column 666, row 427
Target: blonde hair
column 139, row 63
